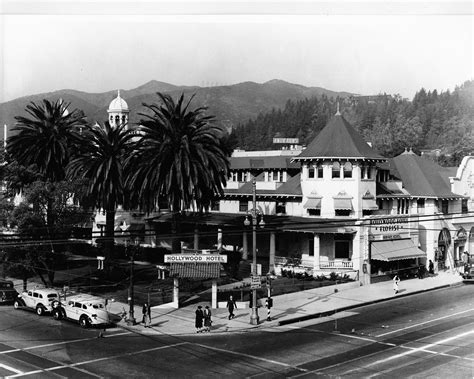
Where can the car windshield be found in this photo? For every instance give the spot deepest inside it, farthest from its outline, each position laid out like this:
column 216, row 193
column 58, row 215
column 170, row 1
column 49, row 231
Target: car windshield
column 98, row 306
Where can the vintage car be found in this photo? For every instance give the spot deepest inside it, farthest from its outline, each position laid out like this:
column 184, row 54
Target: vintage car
column 8, row 292
column 468, row 276
column 88, row 310
column 40, row 300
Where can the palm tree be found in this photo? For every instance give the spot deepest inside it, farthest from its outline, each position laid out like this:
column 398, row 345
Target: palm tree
column 181, row 158
column 100, row 159
column 45, row 141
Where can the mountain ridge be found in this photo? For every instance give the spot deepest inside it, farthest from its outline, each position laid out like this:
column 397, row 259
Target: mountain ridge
column 231, row 104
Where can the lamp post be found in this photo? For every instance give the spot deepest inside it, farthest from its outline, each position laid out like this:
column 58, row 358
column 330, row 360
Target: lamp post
column 131, row 312
column 254, row 213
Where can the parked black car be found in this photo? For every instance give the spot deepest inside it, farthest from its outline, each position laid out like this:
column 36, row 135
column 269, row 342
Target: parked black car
column 8, row 294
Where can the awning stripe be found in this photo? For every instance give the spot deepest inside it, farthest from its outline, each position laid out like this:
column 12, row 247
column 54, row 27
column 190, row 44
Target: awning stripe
column 195, row 270
column 343, row 204
column 395, row 250
column 369, row 204
column 313, row 203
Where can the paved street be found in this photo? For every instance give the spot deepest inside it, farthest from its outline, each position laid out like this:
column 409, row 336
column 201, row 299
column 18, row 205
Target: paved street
column 424, row 335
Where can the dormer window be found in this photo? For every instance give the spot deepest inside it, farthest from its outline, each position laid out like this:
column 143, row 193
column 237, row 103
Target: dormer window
column 336, row 170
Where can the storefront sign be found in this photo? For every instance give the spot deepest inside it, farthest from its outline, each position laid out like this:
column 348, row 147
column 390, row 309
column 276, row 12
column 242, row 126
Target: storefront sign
column 197, row 258
column 389, row 224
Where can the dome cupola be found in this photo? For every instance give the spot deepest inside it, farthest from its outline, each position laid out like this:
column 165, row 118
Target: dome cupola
column 118, row 111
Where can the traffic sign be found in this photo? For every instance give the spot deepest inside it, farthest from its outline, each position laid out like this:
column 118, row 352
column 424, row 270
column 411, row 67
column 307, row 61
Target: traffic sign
column 255, row 282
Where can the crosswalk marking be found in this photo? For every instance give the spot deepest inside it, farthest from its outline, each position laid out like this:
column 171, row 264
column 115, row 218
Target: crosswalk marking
column 9, row 368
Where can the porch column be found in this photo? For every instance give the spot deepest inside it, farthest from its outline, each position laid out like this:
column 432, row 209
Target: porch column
column 316, row 252
column 196, row 239
column 271, row 266
column 245, row 249
column 214, row 294
column 175, row 293
column 219, row 239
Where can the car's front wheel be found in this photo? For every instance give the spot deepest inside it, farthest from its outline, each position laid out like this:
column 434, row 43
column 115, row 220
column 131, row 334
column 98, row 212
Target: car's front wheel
column 16, row 304
column 40, row 310
column 57, row 314
column 84, row 321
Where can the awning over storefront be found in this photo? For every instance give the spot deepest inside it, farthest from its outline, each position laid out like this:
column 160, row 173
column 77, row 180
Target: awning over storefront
column 313, row 203
column 342, row 204
column 369, row 204
column 195, row 270
column 394, row 250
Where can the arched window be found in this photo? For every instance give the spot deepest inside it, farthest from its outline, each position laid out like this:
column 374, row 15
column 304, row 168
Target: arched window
column 336, row 170
column 123, row 119
column 348, row 170
column 117, row 119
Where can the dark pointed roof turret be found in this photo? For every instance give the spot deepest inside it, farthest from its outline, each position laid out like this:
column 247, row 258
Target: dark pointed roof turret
column 339, row 140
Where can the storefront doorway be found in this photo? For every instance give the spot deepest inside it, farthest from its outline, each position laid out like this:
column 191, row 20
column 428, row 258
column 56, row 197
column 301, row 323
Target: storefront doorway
column 444, row 245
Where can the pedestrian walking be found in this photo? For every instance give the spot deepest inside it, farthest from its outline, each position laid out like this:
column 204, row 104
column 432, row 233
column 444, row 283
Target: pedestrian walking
column 231, row 306
column 396, row 281
column 199, row 319
column 421, row 271
column 431, row 267
column 146, row 316
column 207, row 319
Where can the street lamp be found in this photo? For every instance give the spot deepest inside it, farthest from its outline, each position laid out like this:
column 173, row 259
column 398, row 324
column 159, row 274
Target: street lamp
column 131, row 312
column 254, row 212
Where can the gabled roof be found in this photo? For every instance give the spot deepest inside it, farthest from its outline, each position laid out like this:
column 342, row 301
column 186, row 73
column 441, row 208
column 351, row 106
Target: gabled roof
column 291, row 188
column 422, row 177
column 337, row 140
column 262, row 163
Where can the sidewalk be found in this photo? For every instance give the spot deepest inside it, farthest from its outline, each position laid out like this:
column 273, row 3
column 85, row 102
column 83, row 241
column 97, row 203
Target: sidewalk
column 287, row 309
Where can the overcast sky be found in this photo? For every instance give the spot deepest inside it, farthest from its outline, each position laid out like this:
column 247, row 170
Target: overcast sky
column 356, row 53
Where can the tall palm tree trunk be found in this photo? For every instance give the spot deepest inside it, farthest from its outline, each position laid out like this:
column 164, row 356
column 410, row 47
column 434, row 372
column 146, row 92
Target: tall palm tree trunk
column 109, row 235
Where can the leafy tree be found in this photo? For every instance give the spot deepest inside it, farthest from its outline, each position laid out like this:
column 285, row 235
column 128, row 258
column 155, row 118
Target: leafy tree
column 181, row 157
column 100, row 160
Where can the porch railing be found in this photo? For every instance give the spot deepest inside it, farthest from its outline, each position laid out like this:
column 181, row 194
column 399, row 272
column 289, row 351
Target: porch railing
column 337, row 263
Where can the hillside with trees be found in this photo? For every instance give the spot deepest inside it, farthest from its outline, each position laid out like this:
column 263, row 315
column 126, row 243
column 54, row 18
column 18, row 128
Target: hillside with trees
column 432, row 120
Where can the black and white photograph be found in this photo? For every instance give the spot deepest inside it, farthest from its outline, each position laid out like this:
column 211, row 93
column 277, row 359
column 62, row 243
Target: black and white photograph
column 236, row 189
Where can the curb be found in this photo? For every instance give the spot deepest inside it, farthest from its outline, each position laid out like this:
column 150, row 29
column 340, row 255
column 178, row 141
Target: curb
column 342, row 309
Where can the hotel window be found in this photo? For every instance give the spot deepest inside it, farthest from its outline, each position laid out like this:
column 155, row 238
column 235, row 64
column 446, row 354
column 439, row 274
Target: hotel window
column 464, row 208
column 443, row 206
column 336, row 170
column 314, row 212
column 243, row 205
column 280, row 207
column 420, row 205
column 342, row 246
column 366, row 172
column 342, row 212
column 348, row 170
column 402, row 206
column 311, row 172
column 320, row 171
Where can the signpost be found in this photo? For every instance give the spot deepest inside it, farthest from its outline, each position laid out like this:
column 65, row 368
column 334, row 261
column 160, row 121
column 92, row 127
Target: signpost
column 255, row 282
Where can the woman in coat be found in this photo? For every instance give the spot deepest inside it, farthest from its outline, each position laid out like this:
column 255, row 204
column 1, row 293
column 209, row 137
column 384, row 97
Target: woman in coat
column 199, row 318
column 207, row 319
